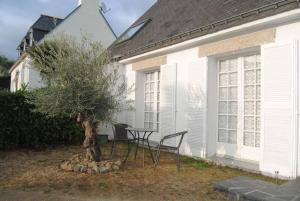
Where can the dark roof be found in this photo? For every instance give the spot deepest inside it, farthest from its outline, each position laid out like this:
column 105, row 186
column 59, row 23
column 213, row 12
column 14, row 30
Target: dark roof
column 46, row 23
column 175, row 21
column 41, row 27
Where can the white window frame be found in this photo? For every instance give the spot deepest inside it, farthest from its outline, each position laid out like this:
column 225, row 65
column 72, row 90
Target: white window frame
column 241, row 101
column 228, row 86
column 152, row 123
column 256, row 100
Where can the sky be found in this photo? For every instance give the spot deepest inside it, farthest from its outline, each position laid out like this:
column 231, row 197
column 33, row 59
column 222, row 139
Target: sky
column 16, row 16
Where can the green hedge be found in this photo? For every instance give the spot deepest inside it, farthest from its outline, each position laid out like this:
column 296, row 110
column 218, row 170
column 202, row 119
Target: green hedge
column 20, row 127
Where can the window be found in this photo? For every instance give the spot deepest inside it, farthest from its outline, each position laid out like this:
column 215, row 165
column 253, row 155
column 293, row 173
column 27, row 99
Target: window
column 152, row 100
column 132, row 31
column 252, row 93
column 239, row 88
column 228, row 101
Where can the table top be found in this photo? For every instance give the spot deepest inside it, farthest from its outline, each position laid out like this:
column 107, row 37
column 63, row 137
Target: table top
column 140, row 129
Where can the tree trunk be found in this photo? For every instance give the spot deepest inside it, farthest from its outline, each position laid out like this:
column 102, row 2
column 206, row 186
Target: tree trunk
column 90, row 143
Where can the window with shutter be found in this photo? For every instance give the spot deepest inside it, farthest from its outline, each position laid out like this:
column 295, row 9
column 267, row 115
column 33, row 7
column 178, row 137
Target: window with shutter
column 235, row 74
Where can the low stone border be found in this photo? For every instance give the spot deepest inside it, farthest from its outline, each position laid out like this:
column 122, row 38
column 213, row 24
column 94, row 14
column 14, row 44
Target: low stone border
column 79, row 164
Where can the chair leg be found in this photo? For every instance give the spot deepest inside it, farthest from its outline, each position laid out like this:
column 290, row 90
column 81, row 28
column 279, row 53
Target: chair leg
column 113, row 147
column 157, row 158
column 178, row 160
column 136, row 149
column 151, row 154
column 128, row 152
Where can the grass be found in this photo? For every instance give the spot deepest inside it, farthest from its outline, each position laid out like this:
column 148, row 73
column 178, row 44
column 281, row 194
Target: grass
column 198, row 164
column 39, row 171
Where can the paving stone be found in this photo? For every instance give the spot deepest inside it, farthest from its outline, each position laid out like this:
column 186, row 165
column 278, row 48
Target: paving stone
column 273, row 199
column 245, row 188
column 287, row 197
column 297, row 199
column 241, row 190
column 257, row 196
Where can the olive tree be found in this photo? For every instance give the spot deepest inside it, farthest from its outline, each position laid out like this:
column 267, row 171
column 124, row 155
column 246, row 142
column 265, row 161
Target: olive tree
column 80, row 82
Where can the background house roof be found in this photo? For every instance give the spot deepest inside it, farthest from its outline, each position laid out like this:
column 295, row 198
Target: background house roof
column 41, row 27
column 174, row 21
column 46, row 23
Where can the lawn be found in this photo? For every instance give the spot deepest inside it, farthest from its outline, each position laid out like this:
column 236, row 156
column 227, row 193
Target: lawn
column 33, row 171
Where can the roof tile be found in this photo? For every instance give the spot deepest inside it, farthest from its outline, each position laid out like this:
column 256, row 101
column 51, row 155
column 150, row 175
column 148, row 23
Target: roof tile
column 172, row 18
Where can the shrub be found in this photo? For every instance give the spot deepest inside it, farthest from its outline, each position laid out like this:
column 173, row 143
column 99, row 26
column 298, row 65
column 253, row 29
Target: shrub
column 21, row 127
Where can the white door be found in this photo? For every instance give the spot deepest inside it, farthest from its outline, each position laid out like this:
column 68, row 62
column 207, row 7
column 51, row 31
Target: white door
column 239, row 107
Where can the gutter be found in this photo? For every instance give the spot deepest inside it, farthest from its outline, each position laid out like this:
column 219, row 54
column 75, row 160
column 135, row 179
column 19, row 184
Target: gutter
column 213, row 25
column 241, row 29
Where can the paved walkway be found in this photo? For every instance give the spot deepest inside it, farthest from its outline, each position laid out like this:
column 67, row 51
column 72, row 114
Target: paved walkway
column 248, row 189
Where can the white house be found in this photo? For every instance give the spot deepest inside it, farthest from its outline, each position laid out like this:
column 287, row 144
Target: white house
column 226, row 71
column 87, row 19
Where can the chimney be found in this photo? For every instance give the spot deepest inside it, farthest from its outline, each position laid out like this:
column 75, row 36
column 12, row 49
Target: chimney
column 89, row 3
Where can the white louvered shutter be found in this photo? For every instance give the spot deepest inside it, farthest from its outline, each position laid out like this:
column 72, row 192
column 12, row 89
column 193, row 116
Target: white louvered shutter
column 168, row 100
column 196, row 107
column 277, row 97
column 131, row 80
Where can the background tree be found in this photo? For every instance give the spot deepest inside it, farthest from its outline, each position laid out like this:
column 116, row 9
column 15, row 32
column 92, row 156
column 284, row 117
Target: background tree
column 79, row 84
column 5, row 65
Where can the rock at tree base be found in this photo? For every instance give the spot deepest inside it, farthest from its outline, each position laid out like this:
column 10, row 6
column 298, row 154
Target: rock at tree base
column 66, row 166
column 79, row 164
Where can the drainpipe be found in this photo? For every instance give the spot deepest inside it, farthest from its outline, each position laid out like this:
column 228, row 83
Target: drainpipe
column 296, row 114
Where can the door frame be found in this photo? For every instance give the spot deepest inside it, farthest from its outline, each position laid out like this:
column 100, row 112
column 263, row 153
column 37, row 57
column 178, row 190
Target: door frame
column 238, row 151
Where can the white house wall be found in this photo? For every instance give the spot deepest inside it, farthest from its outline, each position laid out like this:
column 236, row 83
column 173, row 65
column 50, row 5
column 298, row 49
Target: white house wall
column 183, row 61
column 212, row 110
column 191, row 89
column 286, row 33
column 86, row 21
column 28, row 76
column 34, row 78
column 131, row 86
column 123, row 115
column 279, row 110
column 281, row 103
column 22, row 76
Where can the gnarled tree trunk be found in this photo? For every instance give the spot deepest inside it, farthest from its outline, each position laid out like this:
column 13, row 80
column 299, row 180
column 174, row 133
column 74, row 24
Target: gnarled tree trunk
column 90, row 143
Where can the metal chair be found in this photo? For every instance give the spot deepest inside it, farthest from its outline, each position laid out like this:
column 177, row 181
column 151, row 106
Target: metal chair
column 118, row 138
column 161, row 146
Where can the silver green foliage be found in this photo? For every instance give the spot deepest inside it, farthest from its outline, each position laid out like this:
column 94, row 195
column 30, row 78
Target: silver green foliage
column 79, row 78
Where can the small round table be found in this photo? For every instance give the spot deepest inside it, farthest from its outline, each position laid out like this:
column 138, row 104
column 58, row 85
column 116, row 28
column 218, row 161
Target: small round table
column 142, row 135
